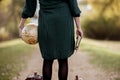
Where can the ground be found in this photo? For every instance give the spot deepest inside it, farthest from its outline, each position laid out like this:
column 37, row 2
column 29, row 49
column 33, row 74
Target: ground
column 78, row 65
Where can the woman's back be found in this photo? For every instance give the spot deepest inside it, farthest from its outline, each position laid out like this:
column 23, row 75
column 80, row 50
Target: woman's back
column 55, row 32
column 51, row 4
column 55, row 26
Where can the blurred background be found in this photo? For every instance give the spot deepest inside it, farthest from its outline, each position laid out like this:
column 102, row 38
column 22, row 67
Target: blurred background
column 100, row 21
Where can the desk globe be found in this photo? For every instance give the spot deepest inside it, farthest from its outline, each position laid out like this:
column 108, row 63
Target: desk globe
column 30, row 34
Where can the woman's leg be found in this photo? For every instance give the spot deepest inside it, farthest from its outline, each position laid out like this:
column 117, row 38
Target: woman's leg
column 63, row 69
column 47, row 69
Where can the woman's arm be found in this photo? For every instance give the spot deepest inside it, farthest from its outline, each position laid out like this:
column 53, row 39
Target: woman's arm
column 28, row 12
column 29, row 8
column 75, row 11
column 79, row 31
column 21, row 25
column 22, row 22
column 73, row 5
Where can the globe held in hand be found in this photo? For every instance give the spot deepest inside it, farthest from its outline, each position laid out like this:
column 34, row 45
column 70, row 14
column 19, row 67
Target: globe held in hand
column 29, row 33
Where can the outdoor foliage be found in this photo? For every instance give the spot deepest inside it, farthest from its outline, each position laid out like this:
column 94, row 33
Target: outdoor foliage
column 104, row 20
column 10, row 11
column 104, row 53
column 101, row 22
column 13, row 58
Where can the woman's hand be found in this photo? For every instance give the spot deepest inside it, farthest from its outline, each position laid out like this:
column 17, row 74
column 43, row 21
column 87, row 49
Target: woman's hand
column 20, row 30
column 79, row 35
column 79, row 32
column 21, row 26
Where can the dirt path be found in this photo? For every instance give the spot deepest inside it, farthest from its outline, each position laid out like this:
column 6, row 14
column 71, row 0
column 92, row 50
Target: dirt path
column 78, row 65
column 34, row 64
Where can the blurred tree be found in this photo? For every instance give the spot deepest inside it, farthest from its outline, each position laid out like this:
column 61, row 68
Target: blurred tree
column 103, row 7
column 3, row 10
column 16, row 8
column 10, row 11
column 104, row 23
column 3, row 19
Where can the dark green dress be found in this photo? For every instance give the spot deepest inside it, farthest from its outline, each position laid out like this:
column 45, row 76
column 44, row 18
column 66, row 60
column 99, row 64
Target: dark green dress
column 55, row 26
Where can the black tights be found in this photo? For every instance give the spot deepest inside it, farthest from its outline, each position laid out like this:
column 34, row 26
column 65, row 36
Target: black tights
column 63, row 69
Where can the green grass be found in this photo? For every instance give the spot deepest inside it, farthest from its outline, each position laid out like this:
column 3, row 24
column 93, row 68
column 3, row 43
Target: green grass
column 13, row 55
column 105, row 54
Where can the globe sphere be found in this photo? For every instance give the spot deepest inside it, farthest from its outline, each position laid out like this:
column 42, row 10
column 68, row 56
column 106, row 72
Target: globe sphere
column 30, row 34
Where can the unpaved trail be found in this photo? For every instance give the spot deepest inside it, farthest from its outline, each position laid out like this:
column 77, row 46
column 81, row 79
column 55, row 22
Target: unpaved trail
column 78, row 65
column 34, row 64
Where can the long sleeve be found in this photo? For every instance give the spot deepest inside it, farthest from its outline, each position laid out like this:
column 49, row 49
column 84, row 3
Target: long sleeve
column 29, row 8
column 74, row 8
